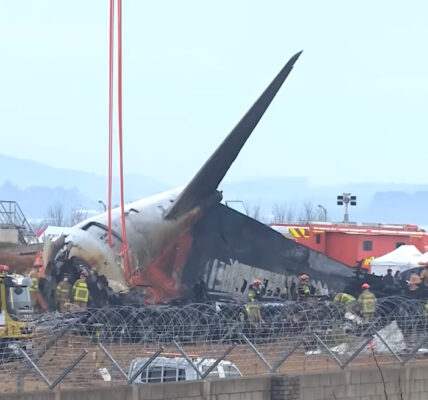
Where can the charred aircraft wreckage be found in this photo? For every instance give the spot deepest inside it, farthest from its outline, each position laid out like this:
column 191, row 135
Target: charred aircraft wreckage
column 181, row 238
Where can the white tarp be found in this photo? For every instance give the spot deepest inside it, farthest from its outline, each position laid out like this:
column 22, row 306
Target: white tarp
column 401, row 259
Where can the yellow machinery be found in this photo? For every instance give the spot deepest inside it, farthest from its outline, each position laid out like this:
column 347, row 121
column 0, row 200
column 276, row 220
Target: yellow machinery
column 15, row 313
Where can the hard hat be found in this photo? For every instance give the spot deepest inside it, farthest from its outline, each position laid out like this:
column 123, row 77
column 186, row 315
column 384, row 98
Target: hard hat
column 303, row 277
column 257, row 282
column 84, row 273
column 365, row 286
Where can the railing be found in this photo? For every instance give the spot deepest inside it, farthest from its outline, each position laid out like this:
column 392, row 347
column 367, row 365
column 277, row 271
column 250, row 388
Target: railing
column 12, row 217
column 95, row 346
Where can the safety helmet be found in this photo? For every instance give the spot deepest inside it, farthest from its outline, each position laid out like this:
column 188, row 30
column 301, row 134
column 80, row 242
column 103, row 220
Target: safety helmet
column 303, row 277
column 257, row 282
column 84, row 273
column 365, row 286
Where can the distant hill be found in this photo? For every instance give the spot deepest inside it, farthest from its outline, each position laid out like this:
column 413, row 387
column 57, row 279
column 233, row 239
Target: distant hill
column 37, row 186
column 385, row 203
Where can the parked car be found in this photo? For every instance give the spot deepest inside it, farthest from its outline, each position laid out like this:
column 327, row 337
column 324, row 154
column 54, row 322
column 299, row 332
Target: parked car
column 174, row 369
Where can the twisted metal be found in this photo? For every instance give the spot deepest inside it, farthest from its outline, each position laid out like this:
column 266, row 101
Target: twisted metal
column 317, row 333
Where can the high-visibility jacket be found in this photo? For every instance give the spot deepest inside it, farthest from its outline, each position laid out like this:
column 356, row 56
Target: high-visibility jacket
column 367, row 302
column 344, row 298
column 283, row 293
column 253, row 310
column 303, row 289
column 33, row 275
column 80, row 291
column 63, row 291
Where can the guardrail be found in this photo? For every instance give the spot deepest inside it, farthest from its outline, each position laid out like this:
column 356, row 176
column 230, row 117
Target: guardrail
column 99, row 345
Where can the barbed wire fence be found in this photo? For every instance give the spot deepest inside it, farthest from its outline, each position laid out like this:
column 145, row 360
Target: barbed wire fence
column 102, row 346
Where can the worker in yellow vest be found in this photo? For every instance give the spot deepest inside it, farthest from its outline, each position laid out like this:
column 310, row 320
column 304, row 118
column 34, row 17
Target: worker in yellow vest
column 367, row 301
column 34, row 288
column 80, row 291
column 253, row 310
column 63, row 294
column 344, row 298
column 303, row 288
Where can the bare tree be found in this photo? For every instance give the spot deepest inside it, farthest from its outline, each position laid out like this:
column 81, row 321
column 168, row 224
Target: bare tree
column 279, row 211
column 76, row 215
column 311, row 213
column 255, row 211
column 308, row 213
column 291, row 215
column 283, row 213
column 55, row 215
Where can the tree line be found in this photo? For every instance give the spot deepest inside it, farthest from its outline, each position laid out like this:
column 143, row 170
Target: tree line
column 282, row 212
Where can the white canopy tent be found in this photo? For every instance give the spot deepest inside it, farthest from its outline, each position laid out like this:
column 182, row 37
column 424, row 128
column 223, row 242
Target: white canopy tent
column 401, row 259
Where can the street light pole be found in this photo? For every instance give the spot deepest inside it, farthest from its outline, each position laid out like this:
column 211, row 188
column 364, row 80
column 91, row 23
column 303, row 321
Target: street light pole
column 103, row 204
column 324, row 210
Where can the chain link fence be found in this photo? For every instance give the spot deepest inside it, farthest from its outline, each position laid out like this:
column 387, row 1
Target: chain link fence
column 128, row 345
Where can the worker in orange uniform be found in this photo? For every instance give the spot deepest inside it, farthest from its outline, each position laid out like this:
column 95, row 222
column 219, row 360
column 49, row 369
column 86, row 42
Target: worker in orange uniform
column 367, row 302
column 34, row 288
column 80, row 291
column 63, row 294
column 303, row 290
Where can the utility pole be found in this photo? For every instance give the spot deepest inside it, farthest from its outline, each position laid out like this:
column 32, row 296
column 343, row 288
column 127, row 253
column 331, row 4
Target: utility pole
column 346, row 199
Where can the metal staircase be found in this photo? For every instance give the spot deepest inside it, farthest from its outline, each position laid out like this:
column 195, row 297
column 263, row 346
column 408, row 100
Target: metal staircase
column 12, row 217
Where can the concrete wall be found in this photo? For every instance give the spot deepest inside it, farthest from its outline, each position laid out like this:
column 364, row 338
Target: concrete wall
column 9, row 236
column 405, row 383
column 254, row 388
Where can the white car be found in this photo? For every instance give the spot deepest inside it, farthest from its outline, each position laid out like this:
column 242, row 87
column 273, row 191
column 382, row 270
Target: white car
column 174, row 369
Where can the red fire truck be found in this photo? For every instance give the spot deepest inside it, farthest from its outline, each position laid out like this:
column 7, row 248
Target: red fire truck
column 352, row 244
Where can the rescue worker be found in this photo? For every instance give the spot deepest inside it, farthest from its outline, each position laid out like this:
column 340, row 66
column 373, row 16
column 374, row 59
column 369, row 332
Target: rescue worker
column 63, row 294
column 284, row 293
column 367, row 302
column 80, row 291
column 388, row 279
column 253, row 310
column 344, row 298
column 256, row 290
column 34, row 288
column 424, row 278
column 413, row 289
column 303, row 290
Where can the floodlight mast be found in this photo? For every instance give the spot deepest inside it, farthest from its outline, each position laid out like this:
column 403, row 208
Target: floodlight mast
column 346, row 199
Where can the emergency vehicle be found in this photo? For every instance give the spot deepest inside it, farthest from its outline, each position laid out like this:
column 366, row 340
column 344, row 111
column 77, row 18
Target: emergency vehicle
column 15, row 314
column 351, row 244
column 177, row 368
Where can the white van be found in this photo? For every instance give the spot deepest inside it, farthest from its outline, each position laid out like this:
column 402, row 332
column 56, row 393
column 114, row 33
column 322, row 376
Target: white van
column 174, row 369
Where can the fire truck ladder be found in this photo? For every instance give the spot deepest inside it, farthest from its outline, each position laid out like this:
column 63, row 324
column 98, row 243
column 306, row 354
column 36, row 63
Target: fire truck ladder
column 12, row 217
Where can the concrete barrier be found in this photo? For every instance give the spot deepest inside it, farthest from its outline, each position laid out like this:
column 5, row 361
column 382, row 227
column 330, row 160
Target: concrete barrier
column 400, row 383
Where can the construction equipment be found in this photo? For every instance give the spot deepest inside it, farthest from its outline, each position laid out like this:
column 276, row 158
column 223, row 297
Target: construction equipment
column 15, row 314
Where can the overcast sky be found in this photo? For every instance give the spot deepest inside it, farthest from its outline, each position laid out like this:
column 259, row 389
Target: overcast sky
column 354, row 109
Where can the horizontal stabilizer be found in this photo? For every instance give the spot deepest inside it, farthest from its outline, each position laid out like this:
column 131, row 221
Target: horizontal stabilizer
column 206, row 181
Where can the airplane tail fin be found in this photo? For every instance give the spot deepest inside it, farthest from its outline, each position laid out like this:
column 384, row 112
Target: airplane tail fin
column 207, row 179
